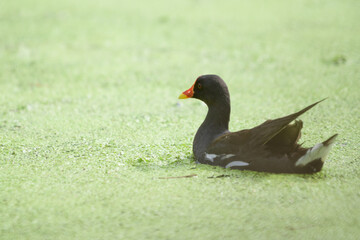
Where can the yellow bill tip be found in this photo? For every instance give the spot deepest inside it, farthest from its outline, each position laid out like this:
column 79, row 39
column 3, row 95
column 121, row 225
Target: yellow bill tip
column 183, row 96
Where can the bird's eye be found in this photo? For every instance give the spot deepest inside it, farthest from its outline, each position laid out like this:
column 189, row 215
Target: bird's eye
column 199, row 86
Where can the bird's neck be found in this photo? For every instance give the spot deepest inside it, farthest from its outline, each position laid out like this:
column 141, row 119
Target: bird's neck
column 218, row 116
column 215, row 124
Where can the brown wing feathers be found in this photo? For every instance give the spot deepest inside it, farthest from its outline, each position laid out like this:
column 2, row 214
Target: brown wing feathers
column 286, row 140
column 271, row 128
column 278, row 132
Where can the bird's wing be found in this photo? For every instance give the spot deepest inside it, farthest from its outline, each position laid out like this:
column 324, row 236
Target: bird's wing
column 268, row 130
column 279, row 134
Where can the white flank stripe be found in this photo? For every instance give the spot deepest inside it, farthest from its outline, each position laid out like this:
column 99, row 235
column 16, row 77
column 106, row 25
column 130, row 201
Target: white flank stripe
column 227, row 156
column 236, row 164
column 210, row 157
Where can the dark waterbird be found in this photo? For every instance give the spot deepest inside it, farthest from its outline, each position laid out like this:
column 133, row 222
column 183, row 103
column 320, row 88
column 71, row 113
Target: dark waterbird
column 270, row 147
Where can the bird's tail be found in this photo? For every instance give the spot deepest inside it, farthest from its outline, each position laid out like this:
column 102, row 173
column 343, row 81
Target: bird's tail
column 315, row 157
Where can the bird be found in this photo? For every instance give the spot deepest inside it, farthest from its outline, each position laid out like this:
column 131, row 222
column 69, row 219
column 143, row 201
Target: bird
column 269, row 147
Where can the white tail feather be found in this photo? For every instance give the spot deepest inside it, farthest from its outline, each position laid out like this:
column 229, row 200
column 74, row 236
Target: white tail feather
column 319, row 151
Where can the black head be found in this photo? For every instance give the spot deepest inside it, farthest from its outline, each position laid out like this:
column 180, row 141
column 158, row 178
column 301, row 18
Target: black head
column 209, row 89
